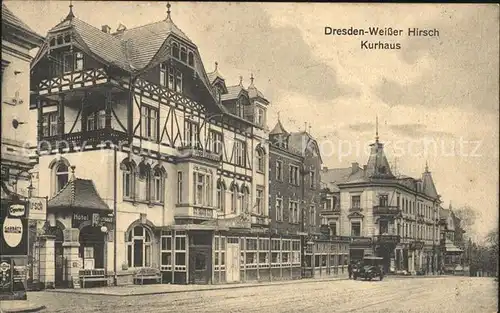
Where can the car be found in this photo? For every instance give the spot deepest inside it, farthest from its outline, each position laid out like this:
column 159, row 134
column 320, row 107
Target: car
column 370, row 269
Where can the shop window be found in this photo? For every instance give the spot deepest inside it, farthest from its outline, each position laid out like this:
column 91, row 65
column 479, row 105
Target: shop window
column 263, row 252
column 275, row 253
column 139, row 248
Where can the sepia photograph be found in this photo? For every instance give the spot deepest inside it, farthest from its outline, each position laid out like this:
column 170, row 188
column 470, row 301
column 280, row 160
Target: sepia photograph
column 249, row 157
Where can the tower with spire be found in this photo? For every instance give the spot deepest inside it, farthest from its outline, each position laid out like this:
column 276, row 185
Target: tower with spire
column 378, row 165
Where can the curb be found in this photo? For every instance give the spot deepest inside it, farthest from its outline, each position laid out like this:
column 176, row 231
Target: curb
column 238, row 286
column 27, row 310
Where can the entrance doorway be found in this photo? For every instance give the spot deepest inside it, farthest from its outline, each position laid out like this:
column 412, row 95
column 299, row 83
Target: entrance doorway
column 91, row 250
column 233, row 263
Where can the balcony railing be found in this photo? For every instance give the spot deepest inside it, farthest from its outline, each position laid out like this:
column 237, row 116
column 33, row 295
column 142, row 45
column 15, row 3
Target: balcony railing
column 355, row 209
column 82, row 140
column 386, row 210
column 388, row 239
column 199, row 153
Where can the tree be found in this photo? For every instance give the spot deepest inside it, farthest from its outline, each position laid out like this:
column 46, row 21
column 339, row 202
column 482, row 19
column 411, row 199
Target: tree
column 467, row 216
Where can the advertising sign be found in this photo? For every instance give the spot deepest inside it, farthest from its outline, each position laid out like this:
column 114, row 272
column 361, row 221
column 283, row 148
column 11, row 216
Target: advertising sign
column 13, row 278
column 38, row 209
column 14, row 229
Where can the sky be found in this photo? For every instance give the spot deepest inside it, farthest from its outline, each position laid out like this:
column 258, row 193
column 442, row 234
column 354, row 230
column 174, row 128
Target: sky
column 436, row 98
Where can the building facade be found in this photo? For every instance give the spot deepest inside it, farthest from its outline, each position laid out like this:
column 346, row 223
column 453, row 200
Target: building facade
column 388, row 216
column 151, row 162
column 18, row 133
column 452, row 243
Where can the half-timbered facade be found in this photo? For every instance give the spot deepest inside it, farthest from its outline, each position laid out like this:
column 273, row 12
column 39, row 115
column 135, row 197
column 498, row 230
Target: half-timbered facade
column 392, row 217
column 177, row 158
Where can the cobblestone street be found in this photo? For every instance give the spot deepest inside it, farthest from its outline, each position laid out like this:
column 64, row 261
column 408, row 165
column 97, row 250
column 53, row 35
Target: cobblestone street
column 434, row 294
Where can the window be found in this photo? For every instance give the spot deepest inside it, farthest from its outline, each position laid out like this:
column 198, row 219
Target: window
column 384, row 227
column 294, row 212
column 179, row 187
column 286, row 252
column 183, row 54
column 68, row 63
column 191, row 58
column 356, row 229
column 296, row 252
column 128, row 181
column 158, row 188
column 166, row 250
column 215, row 142
column 221, row 196
column 139, row 247
column 62, row 176
column 163, row 74
column 279, row 209
column 279, row 170
column 239, row 107
column 78, row 61
column 175, row 50
column 178, row 81
column 355, row 202
column 293, row 178
column 180, row 250
column 312, row 179
column 398, row 201
column 333, row 227
column 383, row 200
column 259, row 116
column 275, row 253
column 96, row 120
column 49, row 126
column 191, row 134
column 260, row 160
column 203, row 189
column 260, row 200
column 312, row 215
column 149, row 122
column 251, row 252
column 263, row 252
column 245, row 199
column 234, row 202
column 170, row 77
column 239, row 153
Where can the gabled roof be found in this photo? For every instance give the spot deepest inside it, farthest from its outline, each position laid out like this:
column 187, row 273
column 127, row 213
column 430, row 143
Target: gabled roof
column 8, row 18
column 78, row 194
column 233, row 92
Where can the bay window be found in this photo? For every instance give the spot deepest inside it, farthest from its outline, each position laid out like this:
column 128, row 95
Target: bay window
column 202, row 189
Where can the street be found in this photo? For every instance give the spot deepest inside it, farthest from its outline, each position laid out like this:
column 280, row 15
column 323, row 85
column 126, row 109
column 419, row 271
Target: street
column 393, row 294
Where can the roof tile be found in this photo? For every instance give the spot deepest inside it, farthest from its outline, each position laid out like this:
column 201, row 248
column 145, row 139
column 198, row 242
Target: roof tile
column 79, row 193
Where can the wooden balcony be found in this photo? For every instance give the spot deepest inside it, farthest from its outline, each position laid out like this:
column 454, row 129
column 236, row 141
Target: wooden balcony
column 386, row 210
column 81, row 141
column 73, row 80
column 198, row 153
column 387, row 239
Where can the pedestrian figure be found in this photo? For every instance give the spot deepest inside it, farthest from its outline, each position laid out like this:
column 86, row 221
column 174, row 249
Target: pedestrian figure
column 349, row 269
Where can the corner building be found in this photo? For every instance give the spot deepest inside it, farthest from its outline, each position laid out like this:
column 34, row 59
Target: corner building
column 394, row 217
column 148, row 160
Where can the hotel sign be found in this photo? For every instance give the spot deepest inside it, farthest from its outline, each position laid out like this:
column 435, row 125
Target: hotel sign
column 14, row 229
column 95, row 219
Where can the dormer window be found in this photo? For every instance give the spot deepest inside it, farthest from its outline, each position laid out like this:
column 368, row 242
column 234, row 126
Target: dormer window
column 259, row 116
column 183, row 54
column 72, row 62
column 175, row 50
column 239, row 107
column 191, row 58
column 170, row 77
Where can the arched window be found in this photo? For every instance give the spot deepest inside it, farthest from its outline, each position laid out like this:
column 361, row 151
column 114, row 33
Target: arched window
column 139, row 247
column 128, row 169
column 183, row 54
column 191, row 58
column 260, row 160
column 175, row 50
column 221, row 196
column 158, row 187
column 245, row 199
column 234, row 198
column 62, row 176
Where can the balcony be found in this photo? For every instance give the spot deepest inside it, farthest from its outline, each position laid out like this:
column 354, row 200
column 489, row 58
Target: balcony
column 417, row 245
column 330, row 211
column 387, row 239
column 355, row 209
column 362, row 242
column 386, row 210
column 259, row 220
column 198, row 153
column 82, row 140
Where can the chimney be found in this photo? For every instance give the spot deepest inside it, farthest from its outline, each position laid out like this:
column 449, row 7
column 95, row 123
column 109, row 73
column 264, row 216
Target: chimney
column 355, row 167
column 106, row 29
column 325, row 168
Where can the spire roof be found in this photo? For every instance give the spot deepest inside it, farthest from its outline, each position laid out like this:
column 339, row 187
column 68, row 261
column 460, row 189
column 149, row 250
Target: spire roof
column 278, row 128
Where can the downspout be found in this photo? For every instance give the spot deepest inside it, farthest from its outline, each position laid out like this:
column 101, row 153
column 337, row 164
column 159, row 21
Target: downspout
column 115, row 176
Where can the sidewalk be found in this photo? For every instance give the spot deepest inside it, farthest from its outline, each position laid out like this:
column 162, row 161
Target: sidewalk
column 141, row 290
column 18, row 306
